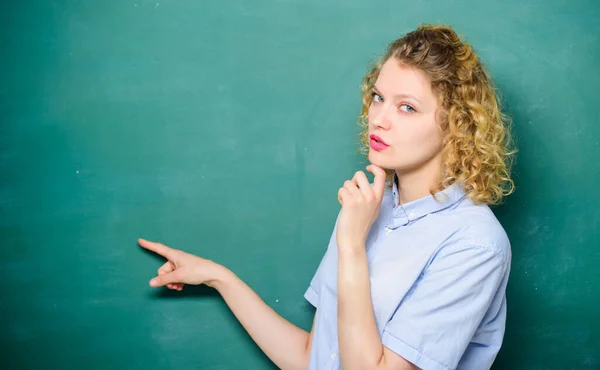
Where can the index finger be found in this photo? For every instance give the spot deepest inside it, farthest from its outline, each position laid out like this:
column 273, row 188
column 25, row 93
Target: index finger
column 158, row 248
column 379, row 181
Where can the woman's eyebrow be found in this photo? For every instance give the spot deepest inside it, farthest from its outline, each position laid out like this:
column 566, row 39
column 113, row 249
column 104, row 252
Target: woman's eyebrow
column 401, row 95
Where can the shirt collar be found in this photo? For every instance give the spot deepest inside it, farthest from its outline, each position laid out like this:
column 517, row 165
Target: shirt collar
column 409, row 212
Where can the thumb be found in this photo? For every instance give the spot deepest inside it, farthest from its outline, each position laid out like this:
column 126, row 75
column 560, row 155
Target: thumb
column 162, row 280
column 379, row 181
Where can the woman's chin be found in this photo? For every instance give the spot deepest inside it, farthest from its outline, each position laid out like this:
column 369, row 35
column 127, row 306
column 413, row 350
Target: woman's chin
column 375, row 158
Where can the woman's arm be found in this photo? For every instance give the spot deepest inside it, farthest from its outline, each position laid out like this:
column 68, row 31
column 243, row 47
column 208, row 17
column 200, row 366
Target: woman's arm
column 359, row 341
column 287, row 345
column 360, row 344
column 284, row 343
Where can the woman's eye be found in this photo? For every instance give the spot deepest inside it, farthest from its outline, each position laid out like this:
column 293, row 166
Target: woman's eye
column 377, row 98
column 407, row 108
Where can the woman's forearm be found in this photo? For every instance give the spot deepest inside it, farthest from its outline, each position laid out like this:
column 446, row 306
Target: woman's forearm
column 283, row 342
column 359, row 341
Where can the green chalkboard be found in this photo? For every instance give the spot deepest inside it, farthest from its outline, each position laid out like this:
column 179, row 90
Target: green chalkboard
column 225, row 128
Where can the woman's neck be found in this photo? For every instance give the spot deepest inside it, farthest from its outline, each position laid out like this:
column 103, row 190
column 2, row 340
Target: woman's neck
column 413, row 185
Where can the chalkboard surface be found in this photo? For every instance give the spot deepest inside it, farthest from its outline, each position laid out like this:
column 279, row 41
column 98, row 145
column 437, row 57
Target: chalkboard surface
column 225, row 128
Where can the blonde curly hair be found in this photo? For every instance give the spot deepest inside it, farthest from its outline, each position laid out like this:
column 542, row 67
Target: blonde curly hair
column 478, row 148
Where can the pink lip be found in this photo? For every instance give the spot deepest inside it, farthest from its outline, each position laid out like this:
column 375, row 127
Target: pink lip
column 377, row 143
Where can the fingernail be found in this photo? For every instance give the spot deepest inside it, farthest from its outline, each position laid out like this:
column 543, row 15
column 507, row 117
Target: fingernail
column 153, row 282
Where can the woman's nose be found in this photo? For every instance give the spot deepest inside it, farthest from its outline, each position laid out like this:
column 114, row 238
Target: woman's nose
column 380, row 119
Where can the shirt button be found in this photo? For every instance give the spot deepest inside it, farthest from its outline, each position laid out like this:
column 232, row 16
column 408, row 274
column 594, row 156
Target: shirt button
column 333, row 356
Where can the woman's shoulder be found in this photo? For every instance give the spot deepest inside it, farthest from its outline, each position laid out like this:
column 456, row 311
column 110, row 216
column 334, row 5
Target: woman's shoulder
column 476, row 225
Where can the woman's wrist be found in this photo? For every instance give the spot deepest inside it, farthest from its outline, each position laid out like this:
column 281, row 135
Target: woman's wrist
column 351, row 249
column 221, row 278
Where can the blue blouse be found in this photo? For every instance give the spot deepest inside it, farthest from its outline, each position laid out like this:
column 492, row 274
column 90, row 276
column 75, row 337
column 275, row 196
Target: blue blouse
column 438, row 271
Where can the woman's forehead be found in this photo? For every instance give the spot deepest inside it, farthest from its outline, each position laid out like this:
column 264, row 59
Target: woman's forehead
column 400, row 79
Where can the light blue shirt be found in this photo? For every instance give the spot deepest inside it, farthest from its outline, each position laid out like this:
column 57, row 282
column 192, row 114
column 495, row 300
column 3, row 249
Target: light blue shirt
column 438, row 272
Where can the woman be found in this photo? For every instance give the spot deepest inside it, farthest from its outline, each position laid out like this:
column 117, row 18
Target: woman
column 416, row 269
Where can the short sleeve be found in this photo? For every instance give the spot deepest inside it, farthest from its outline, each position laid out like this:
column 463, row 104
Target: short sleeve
column 436, row 320
column 327, row 266
column 312, row 293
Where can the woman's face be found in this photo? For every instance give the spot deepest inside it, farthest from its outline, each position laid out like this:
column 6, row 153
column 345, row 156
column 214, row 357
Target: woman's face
column 403, row 130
